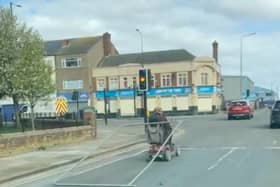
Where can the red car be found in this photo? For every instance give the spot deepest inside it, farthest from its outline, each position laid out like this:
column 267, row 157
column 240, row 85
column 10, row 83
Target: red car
column 240, row 109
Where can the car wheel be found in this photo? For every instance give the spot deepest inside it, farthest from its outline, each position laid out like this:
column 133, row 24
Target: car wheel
column 272, row 126
column 249, row 117
column 229, row 118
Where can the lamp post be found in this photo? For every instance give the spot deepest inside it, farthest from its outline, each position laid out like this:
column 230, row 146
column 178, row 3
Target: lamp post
column 11, row 7
column 141, row 37
column 241, row 58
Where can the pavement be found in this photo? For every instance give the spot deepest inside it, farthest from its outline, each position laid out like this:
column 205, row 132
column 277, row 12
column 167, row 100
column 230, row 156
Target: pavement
column 107, row 141
column 215, row 152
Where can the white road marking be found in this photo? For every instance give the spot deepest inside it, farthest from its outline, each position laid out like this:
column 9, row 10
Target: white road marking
column 155, row 156
column 211, row 148
column 272, row 148
column 111, row 162
column 221, row 159
column 57, row 171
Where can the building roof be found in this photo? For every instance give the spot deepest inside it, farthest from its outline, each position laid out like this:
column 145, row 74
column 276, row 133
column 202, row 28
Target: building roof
column 148, row 58
column 236, row 77
column 70, row 46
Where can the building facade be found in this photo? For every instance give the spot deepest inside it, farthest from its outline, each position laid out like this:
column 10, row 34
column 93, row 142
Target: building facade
column 74, row 60
column 181, row 83
column 231, row 87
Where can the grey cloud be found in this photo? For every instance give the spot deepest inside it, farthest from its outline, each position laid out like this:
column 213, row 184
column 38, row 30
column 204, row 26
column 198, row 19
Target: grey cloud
column 166, row 24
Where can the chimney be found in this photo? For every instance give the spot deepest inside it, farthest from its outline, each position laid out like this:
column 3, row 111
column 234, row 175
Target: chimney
column 215, row 50
column 107, row 45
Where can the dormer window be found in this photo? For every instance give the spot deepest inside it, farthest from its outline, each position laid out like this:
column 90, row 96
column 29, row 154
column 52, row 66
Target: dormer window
column 66, row 43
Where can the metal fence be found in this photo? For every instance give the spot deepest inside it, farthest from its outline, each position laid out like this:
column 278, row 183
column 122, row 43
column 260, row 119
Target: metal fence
column 44, row 121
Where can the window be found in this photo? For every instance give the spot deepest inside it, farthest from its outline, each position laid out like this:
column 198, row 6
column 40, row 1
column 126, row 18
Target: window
column 204, row 78
column 71, row 62
column 134, row 82
column 100, row 84
column 239, row 103
column 73, row 84
column 166, row 80
column 153, row 81
column 125, row 82
column 114, row 83
column 182, row 79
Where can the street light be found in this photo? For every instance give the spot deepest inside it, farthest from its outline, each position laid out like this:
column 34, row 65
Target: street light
column 241, row 56
column 141, row 37
column 11, row 7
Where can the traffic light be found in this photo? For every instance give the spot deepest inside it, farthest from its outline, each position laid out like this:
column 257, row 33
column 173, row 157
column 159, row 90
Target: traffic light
column 144, row 79
column 75, row 95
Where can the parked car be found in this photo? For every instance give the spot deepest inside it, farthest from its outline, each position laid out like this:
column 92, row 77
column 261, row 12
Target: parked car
column 275, row 115
column 240, row 109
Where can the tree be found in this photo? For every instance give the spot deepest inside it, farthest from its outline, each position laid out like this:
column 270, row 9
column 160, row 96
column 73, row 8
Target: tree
column 24, row 75
column 9, row 55
column 33, row 81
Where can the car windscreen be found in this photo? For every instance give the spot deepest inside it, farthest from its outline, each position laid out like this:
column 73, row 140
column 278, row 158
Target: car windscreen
column 239, row 103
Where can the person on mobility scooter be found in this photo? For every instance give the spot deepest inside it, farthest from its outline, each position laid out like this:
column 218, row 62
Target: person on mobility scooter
column 158, row 130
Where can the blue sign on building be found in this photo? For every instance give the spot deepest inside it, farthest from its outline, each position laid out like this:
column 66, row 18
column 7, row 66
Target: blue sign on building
column 153, row 92
column 205, row 89
column 83, row 96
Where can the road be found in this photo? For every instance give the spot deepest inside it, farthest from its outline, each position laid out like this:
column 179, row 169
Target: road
column 215, row 152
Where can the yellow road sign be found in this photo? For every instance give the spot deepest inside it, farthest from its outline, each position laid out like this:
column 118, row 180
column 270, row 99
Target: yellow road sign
column 61, row 105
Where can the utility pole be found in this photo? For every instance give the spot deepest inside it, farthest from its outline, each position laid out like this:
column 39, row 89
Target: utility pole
column 241, row 60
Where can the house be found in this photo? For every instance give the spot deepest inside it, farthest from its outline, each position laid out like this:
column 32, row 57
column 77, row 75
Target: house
column 73, row 60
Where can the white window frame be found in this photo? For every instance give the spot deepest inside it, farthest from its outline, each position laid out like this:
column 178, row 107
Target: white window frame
column 98, row 85
column 134, row 81
column 166, row 80
column 204, row 78
column 125, row 82
column 180, row 77
column 78, row 59
column 114, row 83
column 72, row 84
column 153, row 81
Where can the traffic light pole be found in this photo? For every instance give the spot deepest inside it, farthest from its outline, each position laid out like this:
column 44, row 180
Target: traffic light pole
column 145, row 106
column 105, row 107
column 77, row 117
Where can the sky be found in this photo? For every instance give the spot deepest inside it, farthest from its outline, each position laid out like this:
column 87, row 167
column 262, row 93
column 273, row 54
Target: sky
column 170, row 24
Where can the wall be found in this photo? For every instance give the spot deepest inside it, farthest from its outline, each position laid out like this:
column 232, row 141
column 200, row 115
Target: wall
column 231, row 86
column 80, row 73
column 23, row 142
column 94, row 56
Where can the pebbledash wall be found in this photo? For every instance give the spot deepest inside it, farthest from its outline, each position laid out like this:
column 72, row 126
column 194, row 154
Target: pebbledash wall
column 23, row 142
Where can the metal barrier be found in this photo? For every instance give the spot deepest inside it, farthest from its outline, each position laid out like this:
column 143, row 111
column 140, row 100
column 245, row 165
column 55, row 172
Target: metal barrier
column 131, row 183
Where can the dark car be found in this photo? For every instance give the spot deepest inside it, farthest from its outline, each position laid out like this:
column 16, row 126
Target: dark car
column 275, row 115
column 240, row 109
